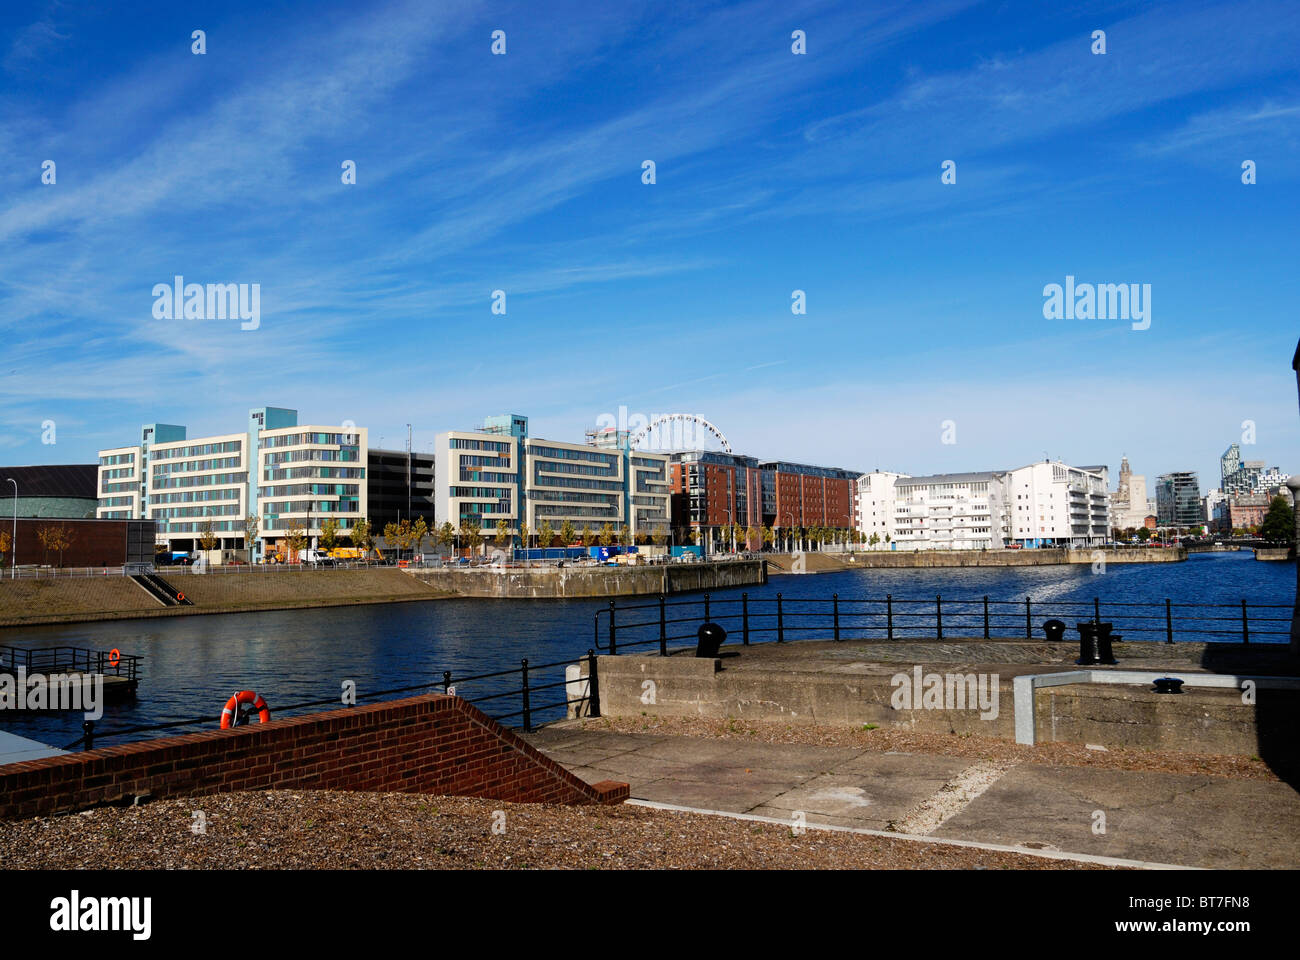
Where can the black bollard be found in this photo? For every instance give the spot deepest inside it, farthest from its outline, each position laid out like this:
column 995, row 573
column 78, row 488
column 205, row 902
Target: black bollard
column 710, row 636
column 1089, row 653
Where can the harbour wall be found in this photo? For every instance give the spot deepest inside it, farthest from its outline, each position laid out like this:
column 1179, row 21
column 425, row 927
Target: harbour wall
column 601, row 581
column 822, row 562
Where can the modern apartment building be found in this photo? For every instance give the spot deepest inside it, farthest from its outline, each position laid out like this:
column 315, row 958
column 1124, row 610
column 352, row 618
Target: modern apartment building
column 713, row 489
column 876, row 505
column 1051, row 504
column 276, row 470
column 501, row 473
column 950, row 511
column 1178, row 500
column 1039, row 505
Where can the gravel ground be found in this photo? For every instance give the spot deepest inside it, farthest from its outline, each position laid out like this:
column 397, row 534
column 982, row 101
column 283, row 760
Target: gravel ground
column 990, row 749
column 329, row 830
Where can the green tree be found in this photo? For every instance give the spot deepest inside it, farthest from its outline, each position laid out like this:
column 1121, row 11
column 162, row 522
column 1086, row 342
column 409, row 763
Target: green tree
column 419, row 530
column 1279, row 522
column 567, row 532
column 660, row 535
column 523, row 534
column 329, row 534
column 1144, row 534
column 295, row 538
column 207, row 536
column 545, row 534
column 250, row 534
column 397, row 535
column 769, row 536
column 446, row 536
column 361, row 536
column 875, row 539
column 502, row 534
column 586, row 535
column 471, row 535
column 606, row 535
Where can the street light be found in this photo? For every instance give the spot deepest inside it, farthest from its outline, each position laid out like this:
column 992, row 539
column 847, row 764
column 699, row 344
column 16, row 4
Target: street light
column 13, row 547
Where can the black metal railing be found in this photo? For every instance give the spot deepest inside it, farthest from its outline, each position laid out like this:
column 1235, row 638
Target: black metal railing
column 496, row 687
column 660, row 623
column 49, row 660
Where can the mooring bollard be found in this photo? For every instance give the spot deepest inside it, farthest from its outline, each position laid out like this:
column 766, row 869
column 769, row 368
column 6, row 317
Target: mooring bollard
column 593, row 686
column 708, row 639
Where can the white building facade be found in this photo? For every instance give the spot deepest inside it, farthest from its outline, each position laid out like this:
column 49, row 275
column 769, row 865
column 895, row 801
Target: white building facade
column 1050, row 504
column 502, row 474
column 1047, row 504
column 949, row 511
column 875, row 507
column 282, row 474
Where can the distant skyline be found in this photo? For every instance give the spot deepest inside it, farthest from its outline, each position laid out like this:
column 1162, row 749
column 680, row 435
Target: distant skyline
column 774, row 173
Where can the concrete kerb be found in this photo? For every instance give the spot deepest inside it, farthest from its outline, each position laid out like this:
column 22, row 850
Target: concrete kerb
column 1023, row 688
column 971, row 844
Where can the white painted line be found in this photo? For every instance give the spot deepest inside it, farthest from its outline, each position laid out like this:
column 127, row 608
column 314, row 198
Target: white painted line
column 972, row 844
column 952, row 798
column 1023, row 687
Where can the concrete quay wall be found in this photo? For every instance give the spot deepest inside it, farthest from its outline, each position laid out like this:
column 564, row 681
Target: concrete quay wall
column 603, row 581
column 892, row 559
column 1199, row 720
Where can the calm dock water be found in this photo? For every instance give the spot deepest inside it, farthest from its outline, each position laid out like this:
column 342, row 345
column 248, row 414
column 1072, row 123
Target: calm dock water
column 192, row 665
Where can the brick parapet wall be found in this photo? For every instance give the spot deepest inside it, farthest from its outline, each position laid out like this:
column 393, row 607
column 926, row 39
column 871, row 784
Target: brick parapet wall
column 431, row 744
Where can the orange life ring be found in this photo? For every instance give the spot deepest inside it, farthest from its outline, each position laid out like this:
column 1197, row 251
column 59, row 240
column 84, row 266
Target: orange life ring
column 180, row 596
column 238, row 700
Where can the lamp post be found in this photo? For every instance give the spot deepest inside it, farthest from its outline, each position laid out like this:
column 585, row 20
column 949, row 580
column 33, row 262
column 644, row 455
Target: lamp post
column 13, row 546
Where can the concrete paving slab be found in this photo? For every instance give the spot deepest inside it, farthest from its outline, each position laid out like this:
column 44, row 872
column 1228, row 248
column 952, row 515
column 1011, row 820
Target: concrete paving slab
column 1194, row 820
column 581, row 755
column 635, row 767
column 879, row 764
column 690, row 749
column 791, row 757
column 732, row 797
column 883, row 796
column 813, row 817
column 1170, row 818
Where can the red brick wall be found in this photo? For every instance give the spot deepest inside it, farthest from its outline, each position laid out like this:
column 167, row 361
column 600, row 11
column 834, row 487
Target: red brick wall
column 432, row 744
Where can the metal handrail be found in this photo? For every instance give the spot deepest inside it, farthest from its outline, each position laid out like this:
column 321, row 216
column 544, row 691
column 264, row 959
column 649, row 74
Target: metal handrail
column 962, row 613
column 90, row 733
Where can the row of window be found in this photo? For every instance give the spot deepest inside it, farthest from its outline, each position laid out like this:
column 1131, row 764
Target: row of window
column 317, row 489
column 207, row 480
column 299, row 439
column 466, row 443
column 198, row 450
column 345, row 454
column 313, row 473
column 195, row 466
column 224, row 493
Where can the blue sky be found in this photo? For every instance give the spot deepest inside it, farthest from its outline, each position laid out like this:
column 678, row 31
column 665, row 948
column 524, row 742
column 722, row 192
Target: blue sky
column 775, row 172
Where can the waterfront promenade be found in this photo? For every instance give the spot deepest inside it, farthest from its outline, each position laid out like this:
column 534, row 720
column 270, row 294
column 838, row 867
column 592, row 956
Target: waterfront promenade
column 1055, row 799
